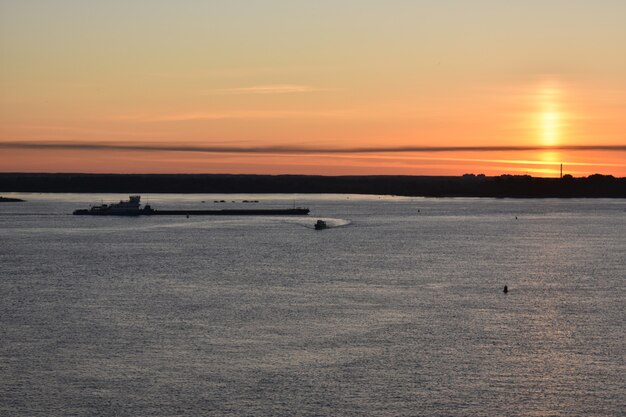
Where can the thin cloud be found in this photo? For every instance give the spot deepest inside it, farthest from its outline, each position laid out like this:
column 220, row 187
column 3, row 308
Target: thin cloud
column 296, row 149
column 245, row 114
column 269, row 89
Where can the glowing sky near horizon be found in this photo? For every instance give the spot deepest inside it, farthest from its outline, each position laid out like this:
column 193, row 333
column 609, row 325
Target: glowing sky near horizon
column 159, row 75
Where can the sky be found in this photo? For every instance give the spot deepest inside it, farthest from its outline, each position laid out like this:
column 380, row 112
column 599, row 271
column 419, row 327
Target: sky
column 414, row 87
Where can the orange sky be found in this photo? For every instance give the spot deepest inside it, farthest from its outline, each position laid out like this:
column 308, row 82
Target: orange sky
column 275, row 86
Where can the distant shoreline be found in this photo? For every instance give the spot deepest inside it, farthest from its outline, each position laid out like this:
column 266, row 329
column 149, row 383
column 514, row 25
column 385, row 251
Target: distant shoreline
column 10, row 200
column 504, row 186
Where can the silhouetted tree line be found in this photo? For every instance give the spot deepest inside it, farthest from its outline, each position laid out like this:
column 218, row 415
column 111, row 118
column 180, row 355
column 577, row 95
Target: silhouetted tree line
column 469, row 185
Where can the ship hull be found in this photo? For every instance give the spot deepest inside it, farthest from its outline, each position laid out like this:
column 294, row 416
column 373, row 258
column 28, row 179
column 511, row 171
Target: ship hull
column 226, row 212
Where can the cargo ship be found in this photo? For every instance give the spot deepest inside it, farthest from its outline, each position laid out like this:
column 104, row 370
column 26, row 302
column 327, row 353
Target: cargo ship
column 132, row 207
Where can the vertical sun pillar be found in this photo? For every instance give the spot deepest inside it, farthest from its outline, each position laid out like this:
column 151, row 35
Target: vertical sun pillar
column 550, row 125
column 550, row 116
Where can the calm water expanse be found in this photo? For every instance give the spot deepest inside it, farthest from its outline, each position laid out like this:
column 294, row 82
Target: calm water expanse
column 396, row 310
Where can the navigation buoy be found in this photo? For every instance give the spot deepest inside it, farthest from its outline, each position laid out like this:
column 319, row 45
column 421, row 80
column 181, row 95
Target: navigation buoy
column 506, row 289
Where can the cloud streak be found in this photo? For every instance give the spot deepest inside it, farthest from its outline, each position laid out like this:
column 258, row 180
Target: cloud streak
column 152, row 147
column 245, row 114
column 269, row 89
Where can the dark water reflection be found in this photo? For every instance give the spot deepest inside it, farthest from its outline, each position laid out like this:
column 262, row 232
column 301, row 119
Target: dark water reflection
column 392, row 312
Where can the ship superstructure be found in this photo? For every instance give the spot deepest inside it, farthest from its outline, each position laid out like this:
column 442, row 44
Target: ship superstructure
column 130, row 207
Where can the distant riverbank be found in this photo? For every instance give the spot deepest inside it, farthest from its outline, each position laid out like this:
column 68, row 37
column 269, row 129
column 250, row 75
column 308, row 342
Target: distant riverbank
column 10, row 200
column 504, row 186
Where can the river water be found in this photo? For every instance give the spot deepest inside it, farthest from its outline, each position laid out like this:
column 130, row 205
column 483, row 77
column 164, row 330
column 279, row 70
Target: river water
column 396, row 310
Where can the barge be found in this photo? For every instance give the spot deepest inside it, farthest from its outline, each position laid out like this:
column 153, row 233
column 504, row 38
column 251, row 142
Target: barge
column 132, row 207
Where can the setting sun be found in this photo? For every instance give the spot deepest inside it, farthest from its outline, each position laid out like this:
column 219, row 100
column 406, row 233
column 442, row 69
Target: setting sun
column 550, row 116
column 550, row 127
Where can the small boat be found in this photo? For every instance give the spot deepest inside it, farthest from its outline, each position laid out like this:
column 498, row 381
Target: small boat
column 321, row 225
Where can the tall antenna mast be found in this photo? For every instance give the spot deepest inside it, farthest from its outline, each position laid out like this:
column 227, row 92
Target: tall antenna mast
column 561, row 171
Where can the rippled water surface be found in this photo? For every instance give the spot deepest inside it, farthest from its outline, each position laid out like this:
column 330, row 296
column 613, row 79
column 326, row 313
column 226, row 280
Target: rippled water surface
column 396, row 310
